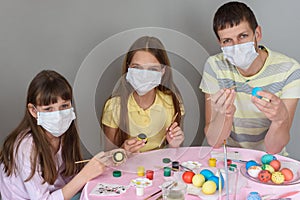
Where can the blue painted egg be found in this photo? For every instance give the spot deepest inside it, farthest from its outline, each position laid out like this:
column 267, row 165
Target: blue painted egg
column 267, row 158
column 216, row 180
column 255, row 90
column 206, row 173
column 253, row 196
column 251, row 163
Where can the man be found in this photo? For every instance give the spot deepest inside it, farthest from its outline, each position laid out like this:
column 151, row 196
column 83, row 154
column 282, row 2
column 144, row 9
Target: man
column 261, row 121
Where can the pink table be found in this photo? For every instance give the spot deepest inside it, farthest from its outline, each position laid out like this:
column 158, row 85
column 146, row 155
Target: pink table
column 153, row 160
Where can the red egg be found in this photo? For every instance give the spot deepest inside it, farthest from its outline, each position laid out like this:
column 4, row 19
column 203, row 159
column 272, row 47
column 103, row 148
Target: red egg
column 275, row 164
column 264, row 176
column 188, row 176
column 287, row 173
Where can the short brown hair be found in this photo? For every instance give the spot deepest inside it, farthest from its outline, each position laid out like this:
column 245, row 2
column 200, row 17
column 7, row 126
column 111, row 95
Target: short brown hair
column 231, row 14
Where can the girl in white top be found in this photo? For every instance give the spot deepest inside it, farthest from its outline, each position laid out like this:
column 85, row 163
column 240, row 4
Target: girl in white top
column 38, row 157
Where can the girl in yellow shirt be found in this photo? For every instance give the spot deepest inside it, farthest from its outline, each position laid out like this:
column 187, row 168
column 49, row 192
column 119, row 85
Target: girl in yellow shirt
column 145, row 101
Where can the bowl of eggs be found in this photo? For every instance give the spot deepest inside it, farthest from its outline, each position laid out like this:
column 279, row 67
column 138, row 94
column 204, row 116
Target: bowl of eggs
column 272, row 171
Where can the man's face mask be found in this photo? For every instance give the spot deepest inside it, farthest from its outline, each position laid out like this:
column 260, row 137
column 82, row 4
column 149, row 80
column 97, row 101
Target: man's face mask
column 143, row 80
column 240, row 55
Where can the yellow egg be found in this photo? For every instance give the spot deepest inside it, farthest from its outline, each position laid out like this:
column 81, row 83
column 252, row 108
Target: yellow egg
column 209, row 187
column 198, row 180
column 277, row 177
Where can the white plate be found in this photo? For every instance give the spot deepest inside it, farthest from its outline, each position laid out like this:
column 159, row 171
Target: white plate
column 143, row 182
column 294, row 166
column 191, row 164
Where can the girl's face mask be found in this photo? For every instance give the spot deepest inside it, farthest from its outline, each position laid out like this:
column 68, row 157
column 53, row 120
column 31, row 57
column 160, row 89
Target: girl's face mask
column 143, row 80
column 56, row 122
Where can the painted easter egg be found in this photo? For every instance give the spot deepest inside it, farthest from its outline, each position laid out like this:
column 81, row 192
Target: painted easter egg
column 287, row 173
column 198, row 180
column 267, row 158
column 268, row 167
column 253, row 171
column 277, row 177
column 255, row 90
column 209, row 187
column 206, row 173
column 251, row 163
column 275, row 164
column 216, row 180
column 187, row 176
column 264, row 176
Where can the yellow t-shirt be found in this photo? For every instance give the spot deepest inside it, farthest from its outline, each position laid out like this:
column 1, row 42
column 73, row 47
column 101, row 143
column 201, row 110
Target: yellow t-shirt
column 153, row 121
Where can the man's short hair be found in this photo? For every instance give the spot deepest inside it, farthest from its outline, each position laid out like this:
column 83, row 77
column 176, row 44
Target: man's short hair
column 231, row 14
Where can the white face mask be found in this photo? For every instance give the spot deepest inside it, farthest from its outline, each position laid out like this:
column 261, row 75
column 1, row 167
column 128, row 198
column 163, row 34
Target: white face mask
column 240, row 55
column 143, row 80
column 56, row 122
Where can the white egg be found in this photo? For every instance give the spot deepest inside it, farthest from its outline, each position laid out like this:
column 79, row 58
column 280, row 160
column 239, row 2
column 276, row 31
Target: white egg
column 253, row 171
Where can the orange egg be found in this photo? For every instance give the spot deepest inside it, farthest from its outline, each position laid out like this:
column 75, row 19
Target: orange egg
column 275, row 164
column 287, row 173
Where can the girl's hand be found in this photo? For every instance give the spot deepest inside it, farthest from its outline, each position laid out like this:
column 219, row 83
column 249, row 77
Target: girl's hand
column 175, row 135
column 133, row 145
column 94, row 167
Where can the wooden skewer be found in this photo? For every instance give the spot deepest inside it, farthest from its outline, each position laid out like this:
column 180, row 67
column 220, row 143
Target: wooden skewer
column 163, row 139
column 82, row 161
column 232, row 87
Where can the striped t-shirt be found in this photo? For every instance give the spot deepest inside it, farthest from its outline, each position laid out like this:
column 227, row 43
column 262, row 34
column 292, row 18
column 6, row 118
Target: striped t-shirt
column 280, row 75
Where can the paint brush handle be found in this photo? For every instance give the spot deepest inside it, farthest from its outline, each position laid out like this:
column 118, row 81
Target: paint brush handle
column 164, row 138
column 82, row 161
column 87, row 160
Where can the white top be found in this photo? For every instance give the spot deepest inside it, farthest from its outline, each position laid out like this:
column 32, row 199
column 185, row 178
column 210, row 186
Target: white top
column 14, row 186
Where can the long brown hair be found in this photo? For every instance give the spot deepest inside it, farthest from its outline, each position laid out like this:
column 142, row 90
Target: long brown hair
column 156, row 48
column 44, row 89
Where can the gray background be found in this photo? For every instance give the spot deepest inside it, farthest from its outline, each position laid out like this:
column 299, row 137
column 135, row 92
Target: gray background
column 63, row 35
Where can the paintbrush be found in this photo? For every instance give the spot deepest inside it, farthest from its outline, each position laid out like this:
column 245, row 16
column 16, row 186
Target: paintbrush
column 118, row 157
column 226, row 170
column 82, row 161
column 173, row 183
column 220, row 184
column 164, row 138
